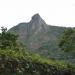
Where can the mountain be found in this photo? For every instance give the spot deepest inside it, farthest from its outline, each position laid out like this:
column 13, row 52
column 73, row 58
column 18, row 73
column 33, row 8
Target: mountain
column 39, row 37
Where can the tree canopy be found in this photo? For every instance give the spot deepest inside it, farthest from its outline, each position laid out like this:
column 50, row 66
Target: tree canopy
column 67, row 41
column 7, row 40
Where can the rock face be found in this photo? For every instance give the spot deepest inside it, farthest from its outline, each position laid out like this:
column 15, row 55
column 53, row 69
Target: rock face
column 37, row 23
column 37, row 35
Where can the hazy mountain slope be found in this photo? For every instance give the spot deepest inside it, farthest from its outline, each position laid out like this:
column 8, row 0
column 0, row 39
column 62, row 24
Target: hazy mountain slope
column 38, row 36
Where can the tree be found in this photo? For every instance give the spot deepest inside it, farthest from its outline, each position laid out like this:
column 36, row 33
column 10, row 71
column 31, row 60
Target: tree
column 7, row 40
column 67, row 41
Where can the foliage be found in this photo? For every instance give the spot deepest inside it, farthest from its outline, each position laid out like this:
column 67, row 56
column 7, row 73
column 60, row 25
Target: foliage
column 7, row 40
column 23, row 63
column 67, row 41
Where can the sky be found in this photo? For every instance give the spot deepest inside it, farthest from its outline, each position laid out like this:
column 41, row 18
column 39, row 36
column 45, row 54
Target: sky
column 54, row 12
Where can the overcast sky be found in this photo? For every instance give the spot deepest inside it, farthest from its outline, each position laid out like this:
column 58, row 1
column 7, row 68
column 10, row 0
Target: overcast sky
column 54, row 12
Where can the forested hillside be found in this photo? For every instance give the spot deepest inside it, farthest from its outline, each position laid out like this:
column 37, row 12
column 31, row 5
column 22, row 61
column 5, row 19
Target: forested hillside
column 15, row 60
column 22, row 63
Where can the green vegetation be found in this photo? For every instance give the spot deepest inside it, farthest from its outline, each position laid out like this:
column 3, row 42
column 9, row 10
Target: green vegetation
column 67, row 41
column 15, row 61
column 23, row 63
column 7, row 40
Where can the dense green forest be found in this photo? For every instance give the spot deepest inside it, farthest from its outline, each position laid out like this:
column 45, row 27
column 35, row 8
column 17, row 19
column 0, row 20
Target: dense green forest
column 15, row 60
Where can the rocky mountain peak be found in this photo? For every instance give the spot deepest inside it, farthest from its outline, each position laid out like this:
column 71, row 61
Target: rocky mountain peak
column 37, row 23
column 36, row 17
column 37, row 33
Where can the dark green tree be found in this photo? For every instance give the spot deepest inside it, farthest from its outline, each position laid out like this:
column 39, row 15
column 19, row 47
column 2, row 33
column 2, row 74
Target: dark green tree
column 67, row 41
column 7, row 40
